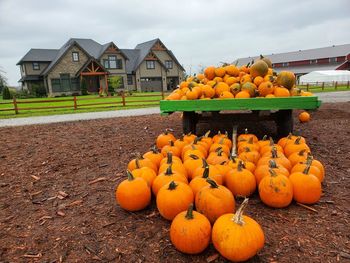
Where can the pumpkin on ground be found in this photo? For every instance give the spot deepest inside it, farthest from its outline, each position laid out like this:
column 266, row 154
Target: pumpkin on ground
column 214, row 200
column 240, row 181
column 174, row 198
column 237, row 237
column 167, row 177
column 154, row 155
column 133, row 194
column 139, row 162
column 276, row 190
column 304, row 116
column 164, row 138
column 190, row 231
column 145, row 173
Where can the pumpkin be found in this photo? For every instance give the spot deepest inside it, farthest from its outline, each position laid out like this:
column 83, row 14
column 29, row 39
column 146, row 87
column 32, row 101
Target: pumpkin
column 278, row 157
column 154, row 155
column 139, row 162
column 259, row 68
column 250, row 88
column 190, row 231
column 217, row 157
column 198, row 182
column 263, row 170
column 249, row 155
column 286, row 79
column 214, row 200
column 268, row 148
column 258, row 80
column 146, row 173
column 208, row 91
column 299, row 167
column 242, row 95
column 226, row 95
column 220, row 88
column 276, row 190
column 223, row 140
column 296, row 146
column 191, row 165
column 306, row 187
column 232, row 70
column 189, row 137
column 265, row 88
column 231, row 80
column 290, row 139
column 220, row 72
column 167, row 177
column 208, row 140
column 209, row 72
column 281, row 92
column 180, row 144
column 304, row 116
column 173, row 198
column 266, row 60
column 192, row 94
column 133, row 194
column 164, row 138
column 240, row 181
column 246, row 136
column 173, row 96
column 175, row 164
column 217, row 137
column 212, row 171
column 298, row 157
column 189, row 153
column 171, row 148
column 235, row 88
column 252, row 146
column 237, row 237
column 194, row 146
column 216, row 146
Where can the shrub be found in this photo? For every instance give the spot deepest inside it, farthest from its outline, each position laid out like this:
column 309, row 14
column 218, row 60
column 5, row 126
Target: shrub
column 6, row 95
column 83, row 87
column 38, row 90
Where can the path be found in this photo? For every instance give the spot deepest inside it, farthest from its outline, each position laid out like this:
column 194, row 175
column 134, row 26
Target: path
column 326, row 97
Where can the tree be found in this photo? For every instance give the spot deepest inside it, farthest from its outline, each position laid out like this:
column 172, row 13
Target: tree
column 6, row 95
column 115, row 82
column 3, row 80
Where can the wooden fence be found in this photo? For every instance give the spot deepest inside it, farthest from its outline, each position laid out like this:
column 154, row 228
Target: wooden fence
column 324, row 85
column 118, row 101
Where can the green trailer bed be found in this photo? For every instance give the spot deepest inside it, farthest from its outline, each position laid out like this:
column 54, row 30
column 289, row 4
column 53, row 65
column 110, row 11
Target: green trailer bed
column 280, row 110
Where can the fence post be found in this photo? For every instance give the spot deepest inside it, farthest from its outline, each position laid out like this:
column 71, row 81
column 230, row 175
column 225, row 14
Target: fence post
column 75, row 102
column 307, row 86
column 322, row 85
column 336, row 85
column 15, row 104
column 162, row 94
column 123, row 98
column 348, row 84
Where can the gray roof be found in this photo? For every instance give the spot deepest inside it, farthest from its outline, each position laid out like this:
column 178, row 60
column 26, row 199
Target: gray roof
column 39, row 55
column 144, row 48
column 30, row 78
column 133, row 55
column 308, row 68
column 316, row 53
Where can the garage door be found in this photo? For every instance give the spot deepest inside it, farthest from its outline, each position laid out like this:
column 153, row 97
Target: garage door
column 151, row 84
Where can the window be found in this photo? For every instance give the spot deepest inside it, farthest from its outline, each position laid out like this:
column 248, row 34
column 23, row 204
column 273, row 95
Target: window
column 332, row 60
column 150, row 64
column 130, row 80
column 285, row 64
column 36, row 66
column 313, row 61
column 168, row 64
column 75, row 56
column 113, row 63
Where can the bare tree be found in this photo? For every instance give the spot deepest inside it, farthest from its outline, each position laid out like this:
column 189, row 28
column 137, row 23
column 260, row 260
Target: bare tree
column 3, row 79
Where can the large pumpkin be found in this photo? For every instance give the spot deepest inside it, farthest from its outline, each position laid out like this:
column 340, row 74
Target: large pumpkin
column 286, row 79
column 276, row 190
column 214, row 200
column 259, row 68
column 190, row 231
column 133, row 194
column 237, row 237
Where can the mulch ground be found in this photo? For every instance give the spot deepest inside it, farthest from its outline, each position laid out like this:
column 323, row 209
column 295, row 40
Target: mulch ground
column 57, row 201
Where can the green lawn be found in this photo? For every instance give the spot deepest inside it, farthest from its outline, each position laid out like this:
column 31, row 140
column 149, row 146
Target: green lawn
column 148, row 99
column 316, row 89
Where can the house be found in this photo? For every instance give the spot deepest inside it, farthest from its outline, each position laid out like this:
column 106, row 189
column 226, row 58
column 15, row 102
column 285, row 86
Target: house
column 304, row 61
column 150, row 66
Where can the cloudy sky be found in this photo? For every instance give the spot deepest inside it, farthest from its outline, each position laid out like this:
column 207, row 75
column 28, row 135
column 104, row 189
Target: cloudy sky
column 199, row 32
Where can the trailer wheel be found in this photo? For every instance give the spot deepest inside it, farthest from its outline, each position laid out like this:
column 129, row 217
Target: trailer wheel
column 284, row 122
column 189, row 122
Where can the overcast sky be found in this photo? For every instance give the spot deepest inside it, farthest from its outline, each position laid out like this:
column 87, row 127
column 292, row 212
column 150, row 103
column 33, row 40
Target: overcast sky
column 200, row 32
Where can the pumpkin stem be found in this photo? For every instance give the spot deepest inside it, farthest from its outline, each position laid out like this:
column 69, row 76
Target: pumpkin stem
column 226, row 134
column 309, row 159
column 171, row 143
column 274, row 152
column 196, row 140
column 238, row 217
column 207, row 134
column 154, row 149
column 247, row 149
column 232, row 158
column 205, row 164
column 271, row 142
column 220, row 151
column 289, row 135
column 194, row 157
column 189, row 214
column 172, row 185
column 307, row 168
column 240, row 166
column 169, row 158
column 301, row 153
column 169, row 171
column 297, row 141
column 130, row 175
column 212, row 183
column 137, row 163
column 261, row 56
column 272, row 164
column 223, row 163
column 264, row 138
column 272, row 173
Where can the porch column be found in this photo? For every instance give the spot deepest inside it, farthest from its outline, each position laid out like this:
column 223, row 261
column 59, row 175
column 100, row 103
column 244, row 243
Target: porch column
column 106, row 82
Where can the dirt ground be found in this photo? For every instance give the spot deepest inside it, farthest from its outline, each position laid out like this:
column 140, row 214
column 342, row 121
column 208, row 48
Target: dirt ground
column 57, row 201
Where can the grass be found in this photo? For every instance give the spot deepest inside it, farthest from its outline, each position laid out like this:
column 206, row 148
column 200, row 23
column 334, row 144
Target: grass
column 112, row 103
column 318, row 89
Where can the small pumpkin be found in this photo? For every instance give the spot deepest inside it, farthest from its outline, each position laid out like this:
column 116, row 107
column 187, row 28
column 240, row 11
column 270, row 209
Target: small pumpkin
column 298, row 157
column 232, row 70
column 189, row 137
column 237, row 237
column 198, row 182
column 226, row 95
column 190, row 231
column 133, row 194
column 315, row 170
column 267, row 61
column 265, row 88
column 220, row 72
column 304, row 117
column 139, row 162
column 276, row 190
column 242, row 95
column 250, row 88
column 209, row 72
column 154, row 155
column 306, row 187
column 146, row 173
column 278, row 157
column 191, row 165
column 212, row 171
column 240, row 181
column 167, row 177
column 281, row 92
column 290, row 139
column 214, row 200
column 164, row 138
column 286, row 79
column 221, row 87
column 171, row 148
column 263, row 170
column 259, row 68
column 217, row 157
column 246, row 136
column 249, row 155
column 173, row 198
column 296, row 146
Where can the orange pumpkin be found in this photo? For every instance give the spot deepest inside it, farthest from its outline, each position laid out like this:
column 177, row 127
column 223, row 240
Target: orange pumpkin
column 154, row 155
column 235, row 88
column 278, row 157
column 171, row 148
column 133, row 194
column 242, row 95
column 263, row 170
column 298, row 157
column 240, row 181
column 249, row 155
column 258, row 80
column 220, row 72
column 290, row 139
column 167, row 177
column 164, row 138
column 315, row 170
column 208, row 91
column 191, row 165
column 220, row 88
column 139, row 162
column 276, row 190
column 296, row 146
column 217, row 157
column 214, row 201
column 232, row 70
column 209, row 72
column 173, row 198
column 304, row 116
column 237, row 237
column 286, row 79
column 145, row 173
column 265, row 88
column 198, row 182
column 226, row 95
column 281, row 92
column 246, row 136
column 190, row 232
column 259, row 68
column 212, row 171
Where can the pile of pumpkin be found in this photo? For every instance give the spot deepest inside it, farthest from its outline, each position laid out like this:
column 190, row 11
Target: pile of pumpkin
column 230, row 81
column 202, row 170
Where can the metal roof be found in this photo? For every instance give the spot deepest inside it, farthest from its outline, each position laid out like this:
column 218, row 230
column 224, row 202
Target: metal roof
column 133, row 55
column 39, row 55
column 316, row 53
column 308, row 68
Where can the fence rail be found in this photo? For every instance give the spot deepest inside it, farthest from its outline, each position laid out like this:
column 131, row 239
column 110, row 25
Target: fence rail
column 324, row 85
column 121, row 100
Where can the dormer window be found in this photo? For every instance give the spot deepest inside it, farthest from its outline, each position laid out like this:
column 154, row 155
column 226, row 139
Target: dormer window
column 36, row 66
column 150, row 64
column 75, row 56
column 169, row 64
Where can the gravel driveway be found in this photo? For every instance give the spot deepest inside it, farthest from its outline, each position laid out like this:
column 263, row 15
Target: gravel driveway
column 326, row 97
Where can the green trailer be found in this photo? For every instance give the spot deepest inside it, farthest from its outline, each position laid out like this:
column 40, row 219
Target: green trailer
column 253, row 109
